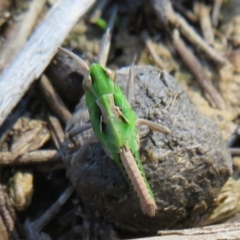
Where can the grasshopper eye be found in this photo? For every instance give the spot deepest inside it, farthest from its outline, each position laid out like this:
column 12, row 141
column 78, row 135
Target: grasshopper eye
column 87, row 83
column 110, row 74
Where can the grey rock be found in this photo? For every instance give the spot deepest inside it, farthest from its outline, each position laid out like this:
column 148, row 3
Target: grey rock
column 186, row 169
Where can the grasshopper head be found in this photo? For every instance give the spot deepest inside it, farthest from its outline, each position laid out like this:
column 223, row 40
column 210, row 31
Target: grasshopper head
column 100, row 82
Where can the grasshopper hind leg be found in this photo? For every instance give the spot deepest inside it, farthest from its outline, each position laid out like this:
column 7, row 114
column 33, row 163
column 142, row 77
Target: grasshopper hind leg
column 153, row 126
column 142, row 189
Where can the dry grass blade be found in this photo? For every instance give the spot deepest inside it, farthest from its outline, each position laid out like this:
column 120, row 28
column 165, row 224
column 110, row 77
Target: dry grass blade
column 106, row 40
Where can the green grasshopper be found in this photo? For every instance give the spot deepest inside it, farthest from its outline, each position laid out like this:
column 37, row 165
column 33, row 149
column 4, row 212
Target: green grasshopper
column 114, row 124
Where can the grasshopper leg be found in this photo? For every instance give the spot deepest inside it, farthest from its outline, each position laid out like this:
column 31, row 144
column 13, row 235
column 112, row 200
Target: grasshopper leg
column 153, row 126
column 147, row 202
column 78, row 155
column 75, row 131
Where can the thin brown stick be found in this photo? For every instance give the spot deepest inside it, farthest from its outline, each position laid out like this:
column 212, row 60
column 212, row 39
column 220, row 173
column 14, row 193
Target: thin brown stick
column 196, row 40
column 215, row 12
column 196, row 69
column 55, row 126
column 38, row 52
column 205, row 23
column 166, row 14
column 147, row 202
column 57, row 133
column 151, row 49
column 53, row 100
column 8, row 158
column 186, row 12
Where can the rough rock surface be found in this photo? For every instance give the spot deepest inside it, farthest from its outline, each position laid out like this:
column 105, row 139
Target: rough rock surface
column 186, row 169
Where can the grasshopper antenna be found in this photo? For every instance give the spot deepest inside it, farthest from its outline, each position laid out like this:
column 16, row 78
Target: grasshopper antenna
column 82, row 64
column 106, row 40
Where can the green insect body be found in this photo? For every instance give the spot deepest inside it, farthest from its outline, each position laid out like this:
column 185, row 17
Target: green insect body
column 114, row 124
column 113, row 120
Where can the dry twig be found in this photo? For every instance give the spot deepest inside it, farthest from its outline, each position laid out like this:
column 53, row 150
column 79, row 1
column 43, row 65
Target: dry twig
column 149, row 45
column 167, row 15
column 53, row 100
column 38, row 52
column 196, row 69
column 205, row 22
column 56, row 131
column 215, row 12
column 189, row 14
column 8, row 158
